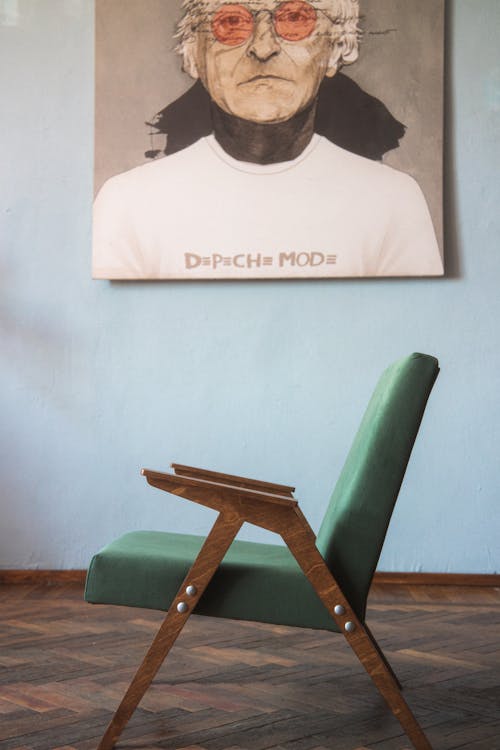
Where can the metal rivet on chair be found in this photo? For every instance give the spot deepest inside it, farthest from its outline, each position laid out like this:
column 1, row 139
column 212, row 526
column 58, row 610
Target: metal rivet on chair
column 339, row 609
column 350, row 627
column 191, row 590
column 182, row 607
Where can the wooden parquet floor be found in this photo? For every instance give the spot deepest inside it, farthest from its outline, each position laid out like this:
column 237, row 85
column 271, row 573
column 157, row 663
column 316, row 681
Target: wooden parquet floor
column 228, row 685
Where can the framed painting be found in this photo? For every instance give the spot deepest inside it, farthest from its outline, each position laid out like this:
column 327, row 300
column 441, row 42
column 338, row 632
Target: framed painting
column 268, row 139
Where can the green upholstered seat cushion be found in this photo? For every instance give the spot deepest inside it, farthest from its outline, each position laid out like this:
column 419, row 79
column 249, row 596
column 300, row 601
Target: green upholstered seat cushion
column 260, row 582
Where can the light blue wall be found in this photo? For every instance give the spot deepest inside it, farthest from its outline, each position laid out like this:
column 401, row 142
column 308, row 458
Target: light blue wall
column 263, row 379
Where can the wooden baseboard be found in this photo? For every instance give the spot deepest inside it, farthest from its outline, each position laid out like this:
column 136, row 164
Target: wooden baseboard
column 54, row 577
column 437, row 579
column 47, row 577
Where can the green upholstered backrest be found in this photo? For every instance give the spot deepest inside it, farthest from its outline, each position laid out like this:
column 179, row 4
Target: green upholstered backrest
column 354, row 527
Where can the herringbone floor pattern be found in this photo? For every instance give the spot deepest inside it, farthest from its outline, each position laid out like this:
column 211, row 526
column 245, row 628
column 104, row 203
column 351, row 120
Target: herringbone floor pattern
column 227, row 685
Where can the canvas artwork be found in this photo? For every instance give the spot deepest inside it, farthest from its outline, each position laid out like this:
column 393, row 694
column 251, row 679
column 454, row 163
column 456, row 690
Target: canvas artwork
column 268, row 139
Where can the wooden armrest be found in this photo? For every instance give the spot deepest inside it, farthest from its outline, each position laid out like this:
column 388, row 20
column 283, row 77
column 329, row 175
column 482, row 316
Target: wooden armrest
column 250, row 504
column 231, row 479
column 171, row 481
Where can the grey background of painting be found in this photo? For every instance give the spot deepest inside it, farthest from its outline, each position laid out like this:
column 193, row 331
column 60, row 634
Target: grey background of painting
column 138, row 73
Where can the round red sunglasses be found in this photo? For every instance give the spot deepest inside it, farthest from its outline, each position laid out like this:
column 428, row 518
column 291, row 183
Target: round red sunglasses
column 293, row 20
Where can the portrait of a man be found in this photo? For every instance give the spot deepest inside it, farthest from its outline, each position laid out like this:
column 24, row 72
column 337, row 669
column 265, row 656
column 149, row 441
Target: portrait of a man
column 257, row 191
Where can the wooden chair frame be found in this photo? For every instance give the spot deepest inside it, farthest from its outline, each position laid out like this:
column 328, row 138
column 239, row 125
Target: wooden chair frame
column 272, row 507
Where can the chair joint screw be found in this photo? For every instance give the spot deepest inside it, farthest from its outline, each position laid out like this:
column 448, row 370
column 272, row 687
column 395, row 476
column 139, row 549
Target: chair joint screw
column 339, row 609
column 350, row 627
column 191, row 590
column 182, row 607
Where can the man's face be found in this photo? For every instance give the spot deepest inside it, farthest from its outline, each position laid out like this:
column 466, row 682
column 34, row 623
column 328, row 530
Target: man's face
column 264, row 61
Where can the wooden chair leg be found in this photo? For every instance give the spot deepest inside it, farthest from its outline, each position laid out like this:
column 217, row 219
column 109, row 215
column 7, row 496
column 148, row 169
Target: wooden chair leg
column 213, row 550
column 383, row 656
column 375, row 663
column 301, row 542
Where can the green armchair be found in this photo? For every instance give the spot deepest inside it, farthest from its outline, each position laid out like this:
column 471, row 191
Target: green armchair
column 314, row 582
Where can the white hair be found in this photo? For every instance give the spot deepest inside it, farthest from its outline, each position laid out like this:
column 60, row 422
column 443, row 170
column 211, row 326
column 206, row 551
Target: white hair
column 344, row 13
